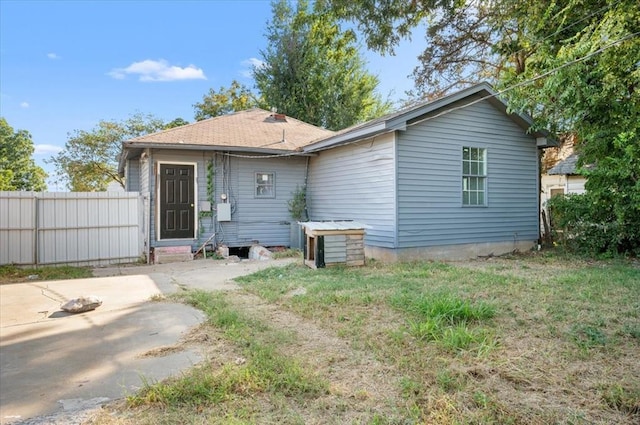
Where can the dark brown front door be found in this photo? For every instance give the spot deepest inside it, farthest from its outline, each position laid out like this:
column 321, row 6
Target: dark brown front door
column 176, row 201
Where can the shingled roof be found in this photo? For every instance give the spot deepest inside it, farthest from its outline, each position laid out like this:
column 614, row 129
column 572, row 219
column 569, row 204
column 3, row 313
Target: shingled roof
column 255, row 128
column 566, row 166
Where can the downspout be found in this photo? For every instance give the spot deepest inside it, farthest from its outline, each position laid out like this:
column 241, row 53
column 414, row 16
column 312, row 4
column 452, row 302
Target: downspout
column 539, row 191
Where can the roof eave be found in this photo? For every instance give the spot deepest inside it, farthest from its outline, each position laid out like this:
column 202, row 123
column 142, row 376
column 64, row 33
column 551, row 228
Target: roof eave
column 211, row 148
column 402, row 120
column 341, row 139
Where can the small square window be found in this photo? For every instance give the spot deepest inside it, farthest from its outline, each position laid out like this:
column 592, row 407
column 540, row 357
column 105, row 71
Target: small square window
column 265, row 185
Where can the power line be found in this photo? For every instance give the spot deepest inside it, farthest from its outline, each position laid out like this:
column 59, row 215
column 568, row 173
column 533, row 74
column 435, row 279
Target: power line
column 531, row 80
column 558, row 31
column 499, row 93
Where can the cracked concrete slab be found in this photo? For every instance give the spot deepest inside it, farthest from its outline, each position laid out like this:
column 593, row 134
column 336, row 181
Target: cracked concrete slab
column 48, row 357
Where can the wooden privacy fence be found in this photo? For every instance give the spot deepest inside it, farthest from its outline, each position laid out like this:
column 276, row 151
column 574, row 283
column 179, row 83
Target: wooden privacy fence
column 76, row 228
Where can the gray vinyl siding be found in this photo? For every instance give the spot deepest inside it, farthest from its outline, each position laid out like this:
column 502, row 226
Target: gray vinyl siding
column 266, row 220
column 357, row 182
column 262, row 220
column 132, row 177
column 145, row 173
column 430, row 211
column 198, row 159
column 227, row 183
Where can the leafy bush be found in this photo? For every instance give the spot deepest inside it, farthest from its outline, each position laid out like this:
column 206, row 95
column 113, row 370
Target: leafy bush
column 298, row 204
column 588, row 224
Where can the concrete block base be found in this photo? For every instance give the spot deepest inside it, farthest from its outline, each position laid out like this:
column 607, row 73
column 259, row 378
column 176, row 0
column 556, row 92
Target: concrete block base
column 172, row 254
column 447, row 252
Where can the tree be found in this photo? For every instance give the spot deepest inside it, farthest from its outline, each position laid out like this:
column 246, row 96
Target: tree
column 178, row 122
column 237, row 97
column 571, row 64
column 18, row 170
column 591, row 87
column 313, row 70
column 89, row 161
column 466, row 41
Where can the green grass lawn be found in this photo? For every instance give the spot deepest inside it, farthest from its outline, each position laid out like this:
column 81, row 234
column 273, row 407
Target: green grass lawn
column 524, row 340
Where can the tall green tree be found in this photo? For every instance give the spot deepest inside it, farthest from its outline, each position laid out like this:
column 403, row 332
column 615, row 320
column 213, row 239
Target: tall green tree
column 572, row 64
column 178, row 122
column 313, row 70
column 89, row 160
column 591, row 87
column 465, row 41
column 236, row 97
column 18, row 171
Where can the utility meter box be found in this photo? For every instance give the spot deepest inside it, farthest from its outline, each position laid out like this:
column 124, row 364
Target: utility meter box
column 223, row 211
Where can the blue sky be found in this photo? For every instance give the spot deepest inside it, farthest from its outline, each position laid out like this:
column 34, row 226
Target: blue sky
column 65, row 65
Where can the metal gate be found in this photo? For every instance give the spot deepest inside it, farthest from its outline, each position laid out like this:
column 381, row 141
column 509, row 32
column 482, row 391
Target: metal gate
column 77, row 228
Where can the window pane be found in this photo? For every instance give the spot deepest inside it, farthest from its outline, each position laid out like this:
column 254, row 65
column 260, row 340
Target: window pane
column 474, row 168
column 265, row 185
column 265, row 191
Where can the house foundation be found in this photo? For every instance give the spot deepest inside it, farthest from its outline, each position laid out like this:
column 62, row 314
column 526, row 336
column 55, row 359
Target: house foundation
column 448, row 252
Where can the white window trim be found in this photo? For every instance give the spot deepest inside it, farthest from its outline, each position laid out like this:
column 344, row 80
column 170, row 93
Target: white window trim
column 195, row 199
column 484, row 177
column 255, row 185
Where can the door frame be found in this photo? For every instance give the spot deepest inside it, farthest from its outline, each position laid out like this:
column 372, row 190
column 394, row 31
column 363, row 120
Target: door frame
column 158, row 195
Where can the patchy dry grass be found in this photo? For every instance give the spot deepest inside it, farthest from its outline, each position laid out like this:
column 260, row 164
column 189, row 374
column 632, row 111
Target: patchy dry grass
column 14, row 274
column 521, row 340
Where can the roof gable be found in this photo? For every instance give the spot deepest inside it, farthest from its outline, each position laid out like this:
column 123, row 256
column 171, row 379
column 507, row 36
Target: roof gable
column 424, row 111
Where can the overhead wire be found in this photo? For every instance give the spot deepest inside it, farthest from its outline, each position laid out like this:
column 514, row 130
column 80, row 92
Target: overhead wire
column 480, row 99
column 559, row 30
column 531, row 80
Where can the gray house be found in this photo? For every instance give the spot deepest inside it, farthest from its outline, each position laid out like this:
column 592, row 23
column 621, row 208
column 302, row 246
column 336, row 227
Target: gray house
column 226, row 180
column 453, row 178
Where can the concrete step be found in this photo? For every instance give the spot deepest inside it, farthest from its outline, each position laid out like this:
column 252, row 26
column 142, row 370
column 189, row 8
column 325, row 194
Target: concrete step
column 172, row 254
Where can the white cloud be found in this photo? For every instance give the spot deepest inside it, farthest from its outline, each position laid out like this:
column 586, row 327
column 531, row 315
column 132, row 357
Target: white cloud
column 251, row 63
column 254, row 62
column 46, row 149
column 53, row 56
column 160, row 70
column 24, row 105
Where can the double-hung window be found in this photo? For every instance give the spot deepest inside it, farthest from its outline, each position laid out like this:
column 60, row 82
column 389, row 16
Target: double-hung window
column 474, row 176
column 265, row 185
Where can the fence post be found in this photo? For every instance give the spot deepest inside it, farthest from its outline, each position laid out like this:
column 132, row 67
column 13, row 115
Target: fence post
column 36, row 230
